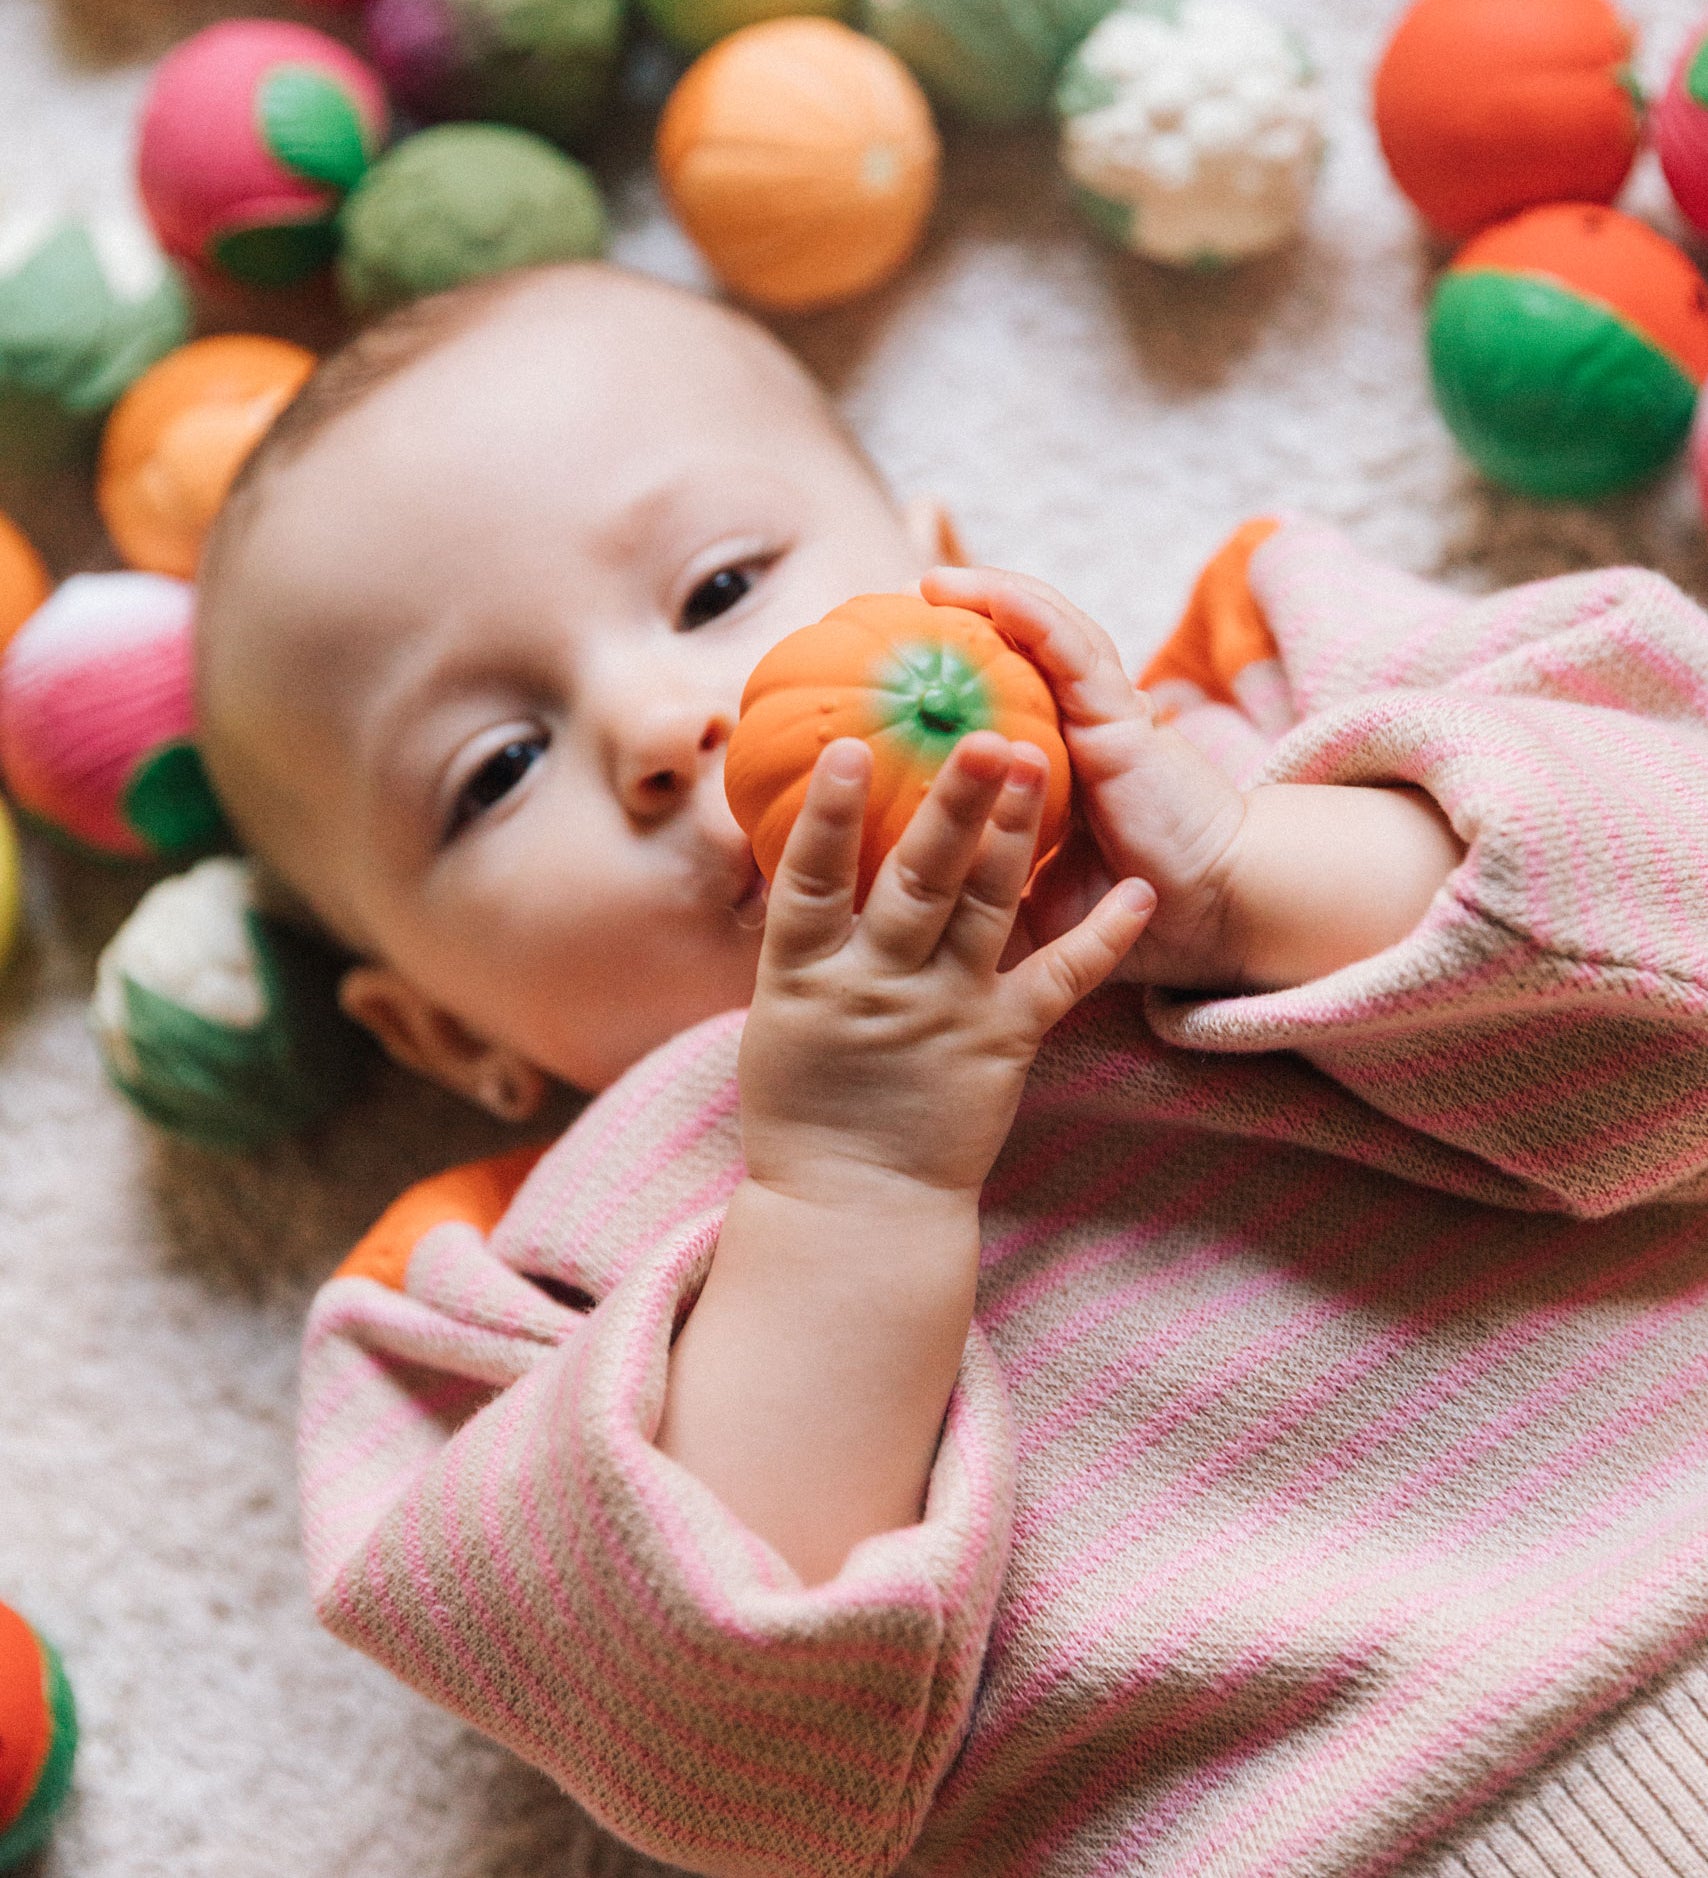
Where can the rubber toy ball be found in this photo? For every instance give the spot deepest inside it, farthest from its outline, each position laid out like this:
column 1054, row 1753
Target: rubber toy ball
column 802, row 161
column 253, row 132
column 97, row 719
column 1486, row 107
column 11, row 900
column 178, row 437
column 546, row 66
column 1192, row 137
column 1567, row 346
column 1679, row 126
column 87, row 304
column 693, row 25
column 217, row 1019
column 988, row 61
column 38, row 1738
column 461, row 201
column 24, row 582
column 909, row 678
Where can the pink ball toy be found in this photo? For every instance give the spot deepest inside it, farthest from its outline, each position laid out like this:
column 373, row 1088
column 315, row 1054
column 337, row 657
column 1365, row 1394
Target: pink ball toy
column 97, row 718
column 1679, row 124
column 253, row 133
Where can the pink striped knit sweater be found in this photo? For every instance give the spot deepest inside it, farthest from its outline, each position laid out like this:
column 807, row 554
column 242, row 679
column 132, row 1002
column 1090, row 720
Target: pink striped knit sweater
column 1326, row 1487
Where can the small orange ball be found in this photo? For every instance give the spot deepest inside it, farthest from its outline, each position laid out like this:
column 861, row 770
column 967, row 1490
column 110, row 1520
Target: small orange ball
column 801, row 158
column 908, row 678
column 176, row 440
column 1486, row 107
column 24, row 582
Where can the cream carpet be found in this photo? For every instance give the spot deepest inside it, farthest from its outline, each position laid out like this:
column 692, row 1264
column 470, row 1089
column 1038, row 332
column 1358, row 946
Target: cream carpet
column 1090, row 419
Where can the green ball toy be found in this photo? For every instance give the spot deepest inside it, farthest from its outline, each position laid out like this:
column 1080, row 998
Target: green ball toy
column 988, row 61
column 38, row 1738
column 1566, row 346
column 85, row 308
column 545, row 65
column 693, row 25
column 459, row 202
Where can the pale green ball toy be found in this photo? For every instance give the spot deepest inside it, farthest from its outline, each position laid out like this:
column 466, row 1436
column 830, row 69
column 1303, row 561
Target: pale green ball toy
column 989, row 61
column 86, row 306
column 459, row 202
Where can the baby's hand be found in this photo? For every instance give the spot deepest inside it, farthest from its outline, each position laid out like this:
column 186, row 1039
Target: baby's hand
column 1255, row 891
column 887, row 1047
column 1153, row 806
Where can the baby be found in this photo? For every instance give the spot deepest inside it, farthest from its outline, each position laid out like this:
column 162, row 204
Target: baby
column 721, row 1520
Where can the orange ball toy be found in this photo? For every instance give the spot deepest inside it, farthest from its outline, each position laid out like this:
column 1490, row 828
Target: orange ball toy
column 802, row 160
column 24, row 581
column 178, row 437
column 909, row 679
column 1485, row 107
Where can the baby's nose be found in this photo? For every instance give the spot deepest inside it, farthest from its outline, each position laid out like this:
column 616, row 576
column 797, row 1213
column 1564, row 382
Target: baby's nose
column 659, row 768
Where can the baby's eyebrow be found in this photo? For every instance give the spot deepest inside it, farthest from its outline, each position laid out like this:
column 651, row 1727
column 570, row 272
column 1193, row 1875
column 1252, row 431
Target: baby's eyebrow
column 395, row 761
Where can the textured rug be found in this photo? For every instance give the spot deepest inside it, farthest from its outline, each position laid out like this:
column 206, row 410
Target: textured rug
column 1090, row 419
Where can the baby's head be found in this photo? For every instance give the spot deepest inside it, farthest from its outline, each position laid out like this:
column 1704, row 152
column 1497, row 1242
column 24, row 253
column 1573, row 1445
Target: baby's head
column 474, row 629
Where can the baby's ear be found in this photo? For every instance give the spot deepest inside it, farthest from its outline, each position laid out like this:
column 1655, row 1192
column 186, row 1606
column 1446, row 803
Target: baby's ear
column 428, row 1039
column 934, row 532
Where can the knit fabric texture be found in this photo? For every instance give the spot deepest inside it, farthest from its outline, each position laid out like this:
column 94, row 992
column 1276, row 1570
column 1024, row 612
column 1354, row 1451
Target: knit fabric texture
column 1325, row 1490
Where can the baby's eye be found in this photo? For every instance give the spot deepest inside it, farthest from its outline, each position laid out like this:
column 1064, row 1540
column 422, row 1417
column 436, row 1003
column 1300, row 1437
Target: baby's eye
column 495, row 778
column 715, row 595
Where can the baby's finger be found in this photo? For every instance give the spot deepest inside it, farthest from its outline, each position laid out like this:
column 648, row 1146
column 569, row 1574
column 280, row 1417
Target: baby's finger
column 922, row 876
column 1074, row 653
column 1051, row 982
column 811, row 905
column 984, row 915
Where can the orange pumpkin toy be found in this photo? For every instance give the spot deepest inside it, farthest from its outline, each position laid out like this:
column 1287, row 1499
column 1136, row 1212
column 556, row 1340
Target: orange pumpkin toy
column 802, row 160
column 1485, row 107
column 911, row 680
column 24, row 580
column 178, row 437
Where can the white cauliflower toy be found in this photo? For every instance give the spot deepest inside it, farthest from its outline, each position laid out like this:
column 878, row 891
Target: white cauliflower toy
column 218, row 1021
column 1191, row 130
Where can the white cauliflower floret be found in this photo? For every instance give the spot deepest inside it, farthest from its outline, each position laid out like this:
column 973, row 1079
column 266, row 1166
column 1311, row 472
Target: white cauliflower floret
column 188, row 941
column 1194, row 126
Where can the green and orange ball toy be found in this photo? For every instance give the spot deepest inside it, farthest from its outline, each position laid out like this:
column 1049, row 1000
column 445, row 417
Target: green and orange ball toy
column 1567, row 346
column 38, row 1738
column 1487, row 107
column 908, row 678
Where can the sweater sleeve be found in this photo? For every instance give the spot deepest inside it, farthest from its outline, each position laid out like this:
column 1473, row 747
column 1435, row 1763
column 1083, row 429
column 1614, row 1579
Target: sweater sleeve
column 1549, row 1016
column 486, row 1514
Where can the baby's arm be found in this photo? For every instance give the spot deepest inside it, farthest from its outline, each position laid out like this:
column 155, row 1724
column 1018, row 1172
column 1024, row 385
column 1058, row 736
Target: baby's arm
column 1256, row 890
column 880, row 1069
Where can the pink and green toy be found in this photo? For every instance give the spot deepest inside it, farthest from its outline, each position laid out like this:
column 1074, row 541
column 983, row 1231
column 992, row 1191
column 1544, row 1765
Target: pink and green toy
column 1679, row 126
column 96, row 719
column 253, row 133
column 38, row 1739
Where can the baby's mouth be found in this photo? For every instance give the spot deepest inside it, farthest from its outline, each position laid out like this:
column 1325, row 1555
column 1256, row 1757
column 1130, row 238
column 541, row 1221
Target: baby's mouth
column 748, row 905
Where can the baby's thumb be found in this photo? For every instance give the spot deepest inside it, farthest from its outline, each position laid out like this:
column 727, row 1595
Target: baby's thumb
column 1069, row 884
column 1072, row 966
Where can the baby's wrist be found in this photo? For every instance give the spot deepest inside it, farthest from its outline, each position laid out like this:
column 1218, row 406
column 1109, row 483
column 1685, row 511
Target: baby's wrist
column 814, row 1177
column 854, row 1238
column 1322, row 876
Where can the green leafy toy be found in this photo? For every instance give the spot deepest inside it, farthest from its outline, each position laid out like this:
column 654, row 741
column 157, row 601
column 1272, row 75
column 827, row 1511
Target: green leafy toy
column 218, row 1020
column 86, row 306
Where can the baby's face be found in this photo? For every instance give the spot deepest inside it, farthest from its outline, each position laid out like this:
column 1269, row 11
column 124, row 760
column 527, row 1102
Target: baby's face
column 479, row 651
